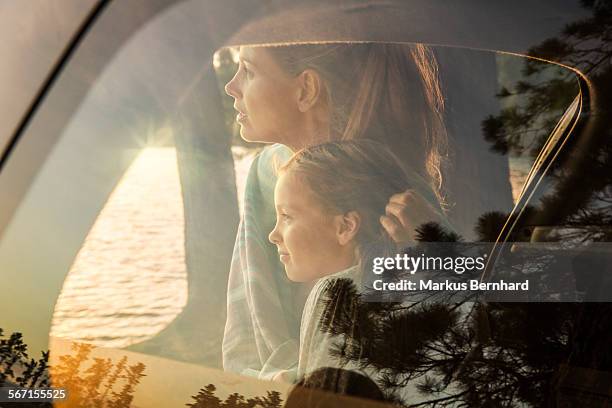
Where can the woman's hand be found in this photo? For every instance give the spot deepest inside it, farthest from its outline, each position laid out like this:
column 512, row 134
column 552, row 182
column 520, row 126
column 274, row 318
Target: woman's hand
column 404, row 213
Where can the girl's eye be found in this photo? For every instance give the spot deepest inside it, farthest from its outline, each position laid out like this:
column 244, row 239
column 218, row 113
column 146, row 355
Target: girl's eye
column 284, row 217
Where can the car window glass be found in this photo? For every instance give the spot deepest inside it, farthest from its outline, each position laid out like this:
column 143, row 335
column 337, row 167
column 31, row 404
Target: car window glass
column 125, row 234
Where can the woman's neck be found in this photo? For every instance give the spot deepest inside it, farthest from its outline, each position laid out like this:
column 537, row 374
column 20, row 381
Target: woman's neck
column 314, row 131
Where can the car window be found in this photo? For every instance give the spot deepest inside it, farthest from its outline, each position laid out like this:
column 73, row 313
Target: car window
column 126, row 194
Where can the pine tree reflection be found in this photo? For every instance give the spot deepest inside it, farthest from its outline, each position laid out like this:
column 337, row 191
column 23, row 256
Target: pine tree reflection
column 99, row 383
column 206, row 398
column 511, row 354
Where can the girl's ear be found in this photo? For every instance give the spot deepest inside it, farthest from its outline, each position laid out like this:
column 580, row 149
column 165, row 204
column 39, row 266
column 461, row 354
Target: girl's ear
column 309, row 89
column 348, row 227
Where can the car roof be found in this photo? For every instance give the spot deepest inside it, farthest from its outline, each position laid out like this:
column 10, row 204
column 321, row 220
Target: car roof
column 503, row 26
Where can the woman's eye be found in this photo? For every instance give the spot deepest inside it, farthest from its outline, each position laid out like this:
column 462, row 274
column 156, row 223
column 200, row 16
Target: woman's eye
column 249, row 73
column 242, row 67
column 284, row 217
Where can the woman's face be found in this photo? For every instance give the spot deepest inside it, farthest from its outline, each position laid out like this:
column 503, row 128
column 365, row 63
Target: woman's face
column 265, row 97
column 306, row 235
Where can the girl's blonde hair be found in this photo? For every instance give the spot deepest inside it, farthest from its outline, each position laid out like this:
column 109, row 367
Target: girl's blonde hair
column 358, row 175
column 382, row 92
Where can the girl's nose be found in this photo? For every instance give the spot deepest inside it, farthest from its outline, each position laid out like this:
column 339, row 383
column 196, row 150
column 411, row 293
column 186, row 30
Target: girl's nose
column 274, row 236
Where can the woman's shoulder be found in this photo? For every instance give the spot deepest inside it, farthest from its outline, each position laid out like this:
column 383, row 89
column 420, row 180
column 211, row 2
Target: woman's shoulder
column 266, row 164
column 262, row 174
column 270, row 159
column 275, row 151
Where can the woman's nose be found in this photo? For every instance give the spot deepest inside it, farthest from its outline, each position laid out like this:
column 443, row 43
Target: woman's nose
column 231, row 88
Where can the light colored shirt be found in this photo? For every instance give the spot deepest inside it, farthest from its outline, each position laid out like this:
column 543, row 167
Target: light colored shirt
column 262, row 327
column 316, row 344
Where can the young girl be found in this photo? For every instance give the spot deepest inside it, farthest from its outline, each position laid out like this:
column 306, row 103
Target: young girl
column 329, row 199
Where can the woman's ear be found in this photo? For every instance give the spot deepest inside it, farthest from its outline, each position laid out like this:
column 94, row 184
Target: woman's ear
column 348, row 227
column 309, row 89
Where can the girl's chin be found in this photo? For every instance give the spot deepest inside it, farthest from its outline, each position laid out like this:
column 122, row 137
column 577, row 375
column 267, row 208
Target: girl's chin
column 245, row 134
column 293, row 277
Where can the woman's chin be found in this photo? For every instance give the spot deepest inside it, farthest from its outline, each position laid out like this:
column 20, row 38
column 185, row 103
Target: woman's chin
column 248, row 135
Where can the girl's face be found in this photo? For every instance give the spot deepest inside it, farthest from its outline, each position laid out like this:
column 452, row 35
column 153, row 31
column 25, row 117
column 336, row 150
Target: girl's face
column 311, row 242
column 265, row 97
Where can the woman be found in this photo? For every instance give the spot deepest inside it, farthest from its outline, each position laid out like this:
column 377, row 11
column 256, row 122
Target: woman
column 298, row 96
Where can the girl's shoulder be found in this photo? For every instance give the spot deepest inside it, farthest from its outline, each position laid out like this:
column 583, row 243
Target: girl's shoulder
column 326, row 289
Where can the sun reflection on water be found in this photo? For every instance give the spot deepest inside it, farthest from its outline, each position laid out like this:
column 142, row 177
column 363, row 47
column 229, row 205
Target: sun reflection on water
column 129, row 279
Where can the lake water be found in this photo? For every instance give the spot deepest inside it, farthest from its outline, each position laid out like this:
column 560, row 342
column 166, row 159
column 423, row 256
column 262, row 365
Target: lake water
column 128, row 280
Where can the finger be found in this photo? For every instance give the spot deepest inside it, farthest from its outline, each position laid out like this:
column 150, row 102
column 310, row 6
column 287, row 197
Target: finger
column 410, row 218
column 406, row 197
column 399, row 212
column 391, row 225
column 415, row 204
column 395, row 230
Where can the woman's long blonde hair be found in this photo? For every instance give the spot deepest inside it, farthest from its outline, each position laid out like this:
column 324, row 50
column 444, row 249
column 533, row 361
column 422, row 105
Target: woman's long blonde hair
column 386, row 92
